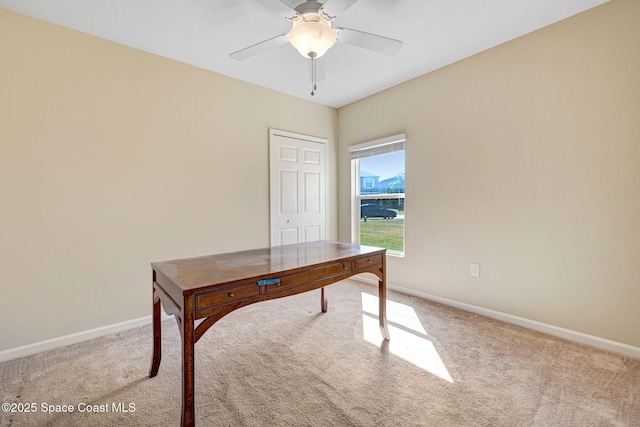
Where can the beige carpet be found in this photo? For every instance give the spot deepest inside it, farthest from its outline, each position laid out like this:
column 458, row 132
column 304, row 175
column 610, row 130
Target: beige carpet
column 283, row 363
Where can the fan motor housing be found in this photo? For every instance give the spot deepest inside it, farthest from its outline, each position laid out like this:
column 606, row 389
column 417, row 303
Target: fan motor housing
column 308, row 7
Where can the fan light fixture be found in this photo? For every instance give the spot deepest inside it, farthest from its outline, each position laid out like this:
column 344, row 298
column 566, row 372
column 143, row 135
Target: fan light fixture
column 311, row 34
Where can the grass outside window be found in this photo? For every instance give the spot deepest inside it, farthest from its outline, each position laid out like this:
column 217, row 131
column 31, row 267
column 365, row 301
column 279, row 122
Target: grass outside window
column 385, row 233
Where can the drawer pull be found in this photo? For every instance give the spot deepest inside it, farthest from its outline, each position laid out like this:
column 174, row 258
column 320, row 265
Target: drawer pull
column 369, row 260
column 269, row 282
column 231, row 294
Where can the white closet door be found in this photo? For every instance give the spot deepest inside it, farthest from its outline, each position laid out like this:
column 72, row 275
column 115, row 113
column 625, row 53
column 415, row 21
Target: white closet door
column 297, row 188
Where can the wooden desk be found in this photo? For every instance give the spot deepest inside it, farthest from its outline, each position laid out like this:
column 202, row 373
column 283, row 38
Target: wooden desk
column 211, row 287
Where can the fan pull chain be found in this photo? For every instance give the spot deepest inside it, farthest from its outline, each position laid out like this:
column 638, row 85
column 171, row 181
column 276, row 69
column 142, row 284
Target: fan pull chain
column 312, row 55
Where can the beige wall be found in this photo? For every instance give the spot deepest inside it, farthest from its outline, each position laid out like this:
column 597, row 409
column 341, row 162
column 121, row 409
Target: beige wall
column 526, row 159
column 111, row 158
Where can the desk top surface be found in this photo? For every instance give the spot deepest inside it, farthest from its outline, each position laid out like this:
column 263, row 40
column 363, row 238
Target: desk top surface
column 194, row 273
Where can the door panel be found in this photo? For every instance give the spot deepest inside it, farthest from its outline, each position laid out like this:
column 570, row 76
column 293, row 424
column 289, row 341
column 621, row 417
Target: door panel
column 288, row 192
column 311, row 157
column 288, row 236
column 289, row 153
column 311, row 234
column 311, row 193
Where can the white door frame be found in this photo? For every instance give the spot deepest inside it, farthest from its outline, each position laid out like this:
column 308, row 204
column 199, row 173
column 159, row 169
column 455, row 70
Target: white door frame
column 273, row 209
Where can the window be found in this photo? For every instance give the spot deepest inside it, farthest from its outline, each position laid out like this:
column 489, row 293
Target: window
column 378, row 193
column 368, row 183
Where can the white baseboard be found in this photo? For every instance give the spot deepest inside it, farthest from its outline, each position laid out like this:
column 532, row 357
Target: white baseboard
column 50, row 344
column 605, row 344
column 594, row 341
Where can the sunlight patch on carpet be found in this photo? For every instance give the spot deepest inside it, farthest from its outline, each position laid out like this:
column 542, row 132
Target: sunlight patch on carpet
column 409, row 339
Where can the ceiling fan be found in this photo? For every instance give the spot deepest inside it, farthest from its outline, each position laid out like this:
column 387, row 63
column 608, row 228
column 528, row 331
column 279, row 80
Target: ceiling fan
column 312, row 32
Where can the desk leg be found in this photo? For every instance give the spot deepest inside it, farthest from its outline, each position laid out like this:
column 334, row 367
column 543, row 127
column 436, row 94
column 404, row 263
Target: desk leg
column 382, row 299
column 324, row 304
column 382, row 314
column 157, row 332
column 188, row 371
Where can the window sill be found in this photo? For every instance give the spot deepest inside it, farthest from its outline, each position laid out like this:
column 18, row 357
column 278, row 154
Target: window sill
column 395, row 254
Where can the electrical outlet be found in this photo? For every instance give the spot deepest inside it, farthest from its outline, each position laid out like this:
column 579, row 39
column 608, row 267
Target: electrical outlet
column 475, row 269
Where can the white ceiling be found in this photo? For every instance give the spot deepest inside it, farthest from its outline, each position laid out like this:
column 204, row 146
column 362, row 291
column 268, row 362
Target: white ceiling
column 435, row 33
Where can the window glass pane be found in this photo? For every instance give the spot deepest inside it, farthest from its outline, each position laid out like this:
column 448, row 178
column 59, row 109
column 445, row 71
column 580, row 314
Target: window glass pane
column 380, row 181
column 382, row 223
column 382, row 174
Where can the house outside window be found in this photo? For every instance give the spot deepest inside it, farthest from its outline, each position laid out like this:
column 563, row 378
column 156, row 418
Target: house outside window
column 368, row 182
column 378, row 193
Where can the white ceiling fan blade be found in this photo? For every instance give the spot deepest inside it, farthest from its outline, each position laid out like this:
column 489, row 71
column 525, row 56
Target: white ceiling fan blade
column 369, row 41
column 321, row 74
column 260, row 47
column 336, row 7
column 279, row 8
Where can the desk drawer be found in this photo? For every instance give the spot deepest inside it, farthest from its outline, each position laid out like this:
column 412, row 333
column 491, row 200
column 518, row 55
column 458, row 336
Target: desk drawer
column 292, row 280
column 227, row 295
column 368, row 261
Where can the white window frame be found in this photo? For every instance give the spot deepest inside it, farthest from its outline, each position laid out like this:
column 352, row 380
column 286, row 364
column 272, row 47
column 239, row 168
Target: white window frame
column 369, row 149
